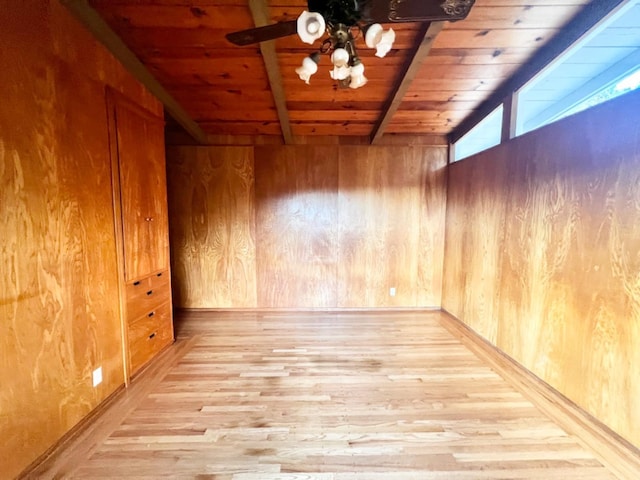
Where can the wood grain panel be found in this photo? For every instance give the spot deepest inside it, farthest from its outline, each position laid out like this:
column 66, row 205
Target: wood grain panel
column 144, row 301
column 473, row 243
column 531, row 38
column 211, row 211
column 297, row 226
column 227, row 99
column 530, row 16
column 212, row 69
column 59, row 300
column 205, row 115
column 148, row 335
column 241, row 128
column 184, row 45
column 431, row 222
column 445, row 93
column 175, row 138
column 565, row 289
column 143, row 189
column 380, row 195
column 572, row 240
column 300, row 207
column 179, row 16
column 328, row 128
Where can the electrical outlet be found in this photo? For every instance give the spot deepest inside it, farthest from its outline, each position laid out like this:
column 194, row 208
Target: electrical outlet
column 97, row 376
column 392, row 291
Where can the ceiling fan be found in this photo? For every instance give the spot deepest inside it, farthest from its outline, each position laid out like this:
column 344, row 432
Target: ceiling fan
column 342, row 20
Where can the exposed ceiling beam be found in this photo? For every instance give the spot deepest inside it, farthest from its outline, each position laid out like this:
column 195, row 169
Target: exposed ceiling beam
column 103, row 33
column 586, row 19
column 426, row 37
column 259, row 10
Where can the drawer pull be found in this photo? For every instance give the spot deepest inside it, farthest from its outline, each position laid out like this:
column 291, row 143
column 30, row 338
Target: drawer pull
column 159, row 274
column 151, row 314
column 135, row 284
column 149, row 292
column 152, row 335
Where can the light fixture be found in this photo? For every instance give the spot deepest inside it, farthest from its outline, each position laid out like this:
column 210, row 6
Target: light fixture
column 311, row 26
column 348, row 69
column 309, row 67
column 341, row 69
column 357, row 75
column 377, row 38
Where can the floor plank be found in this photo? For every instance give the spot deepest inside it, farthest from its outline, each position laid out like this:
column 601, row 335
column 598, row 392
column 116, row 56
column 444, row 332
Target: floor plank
column 328, row 396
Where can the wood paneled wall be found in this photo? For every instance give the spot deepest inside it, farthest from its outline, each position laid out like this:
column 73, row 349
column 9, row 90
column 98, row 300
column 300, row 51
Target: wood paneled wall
column 335, row 226
column 212, row 226
column 542, row 256
column 297, row 226
column 391, row 226
column 59, row 316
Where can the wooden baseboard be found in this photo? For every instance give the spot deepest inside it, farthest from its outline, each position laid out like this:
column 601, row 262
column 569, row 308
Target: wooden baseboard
column 78, row 443
column 613, row 451
column 310, row 310
column 69, row 437
column 616, row 453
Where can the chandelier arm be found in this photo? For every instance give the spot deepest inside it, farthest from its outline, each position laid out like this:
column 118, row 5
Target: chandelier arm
column 327, row 46
column 351, row 48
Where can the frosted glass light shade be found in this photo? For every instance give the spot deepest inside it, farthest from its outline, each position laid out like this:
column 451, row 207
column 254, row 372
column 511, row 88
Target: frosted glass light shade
column 340, row 60
column 372, row 37
column 357, row 76
column 308, row 68
column 385, row 43
column 340, row 57
column 340, row 73
column 377, row 38
column 311, row 26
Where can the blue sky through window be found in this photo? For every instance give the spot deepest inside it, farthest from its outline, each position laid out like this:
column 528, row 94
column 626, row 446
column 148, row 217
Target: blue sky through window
column 602, row 65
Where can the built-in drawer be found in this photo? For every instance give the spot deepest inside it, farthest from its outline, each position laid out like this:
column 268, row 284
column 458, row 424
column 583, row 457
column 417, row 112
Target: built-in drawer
column 146, row 294
column 149, row 334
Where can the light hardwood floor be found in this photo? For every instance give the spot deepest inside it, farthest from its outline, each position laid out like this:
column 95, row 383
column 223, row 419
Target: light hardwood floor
column 323, row 396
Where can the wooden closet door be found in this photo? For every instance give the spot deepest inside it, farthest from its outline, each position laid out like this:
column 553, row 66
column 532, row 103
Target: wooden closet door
column 141, row 159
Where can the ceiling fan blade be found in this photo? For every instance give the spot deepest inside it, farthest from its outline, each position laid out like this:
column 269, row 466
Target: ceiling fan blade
column 263, row 34
column 385, row 11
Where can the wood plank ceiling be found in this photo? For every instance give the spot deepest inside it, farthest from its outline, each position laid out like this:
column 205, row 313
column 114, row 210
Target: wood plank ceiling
column 226, row 89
